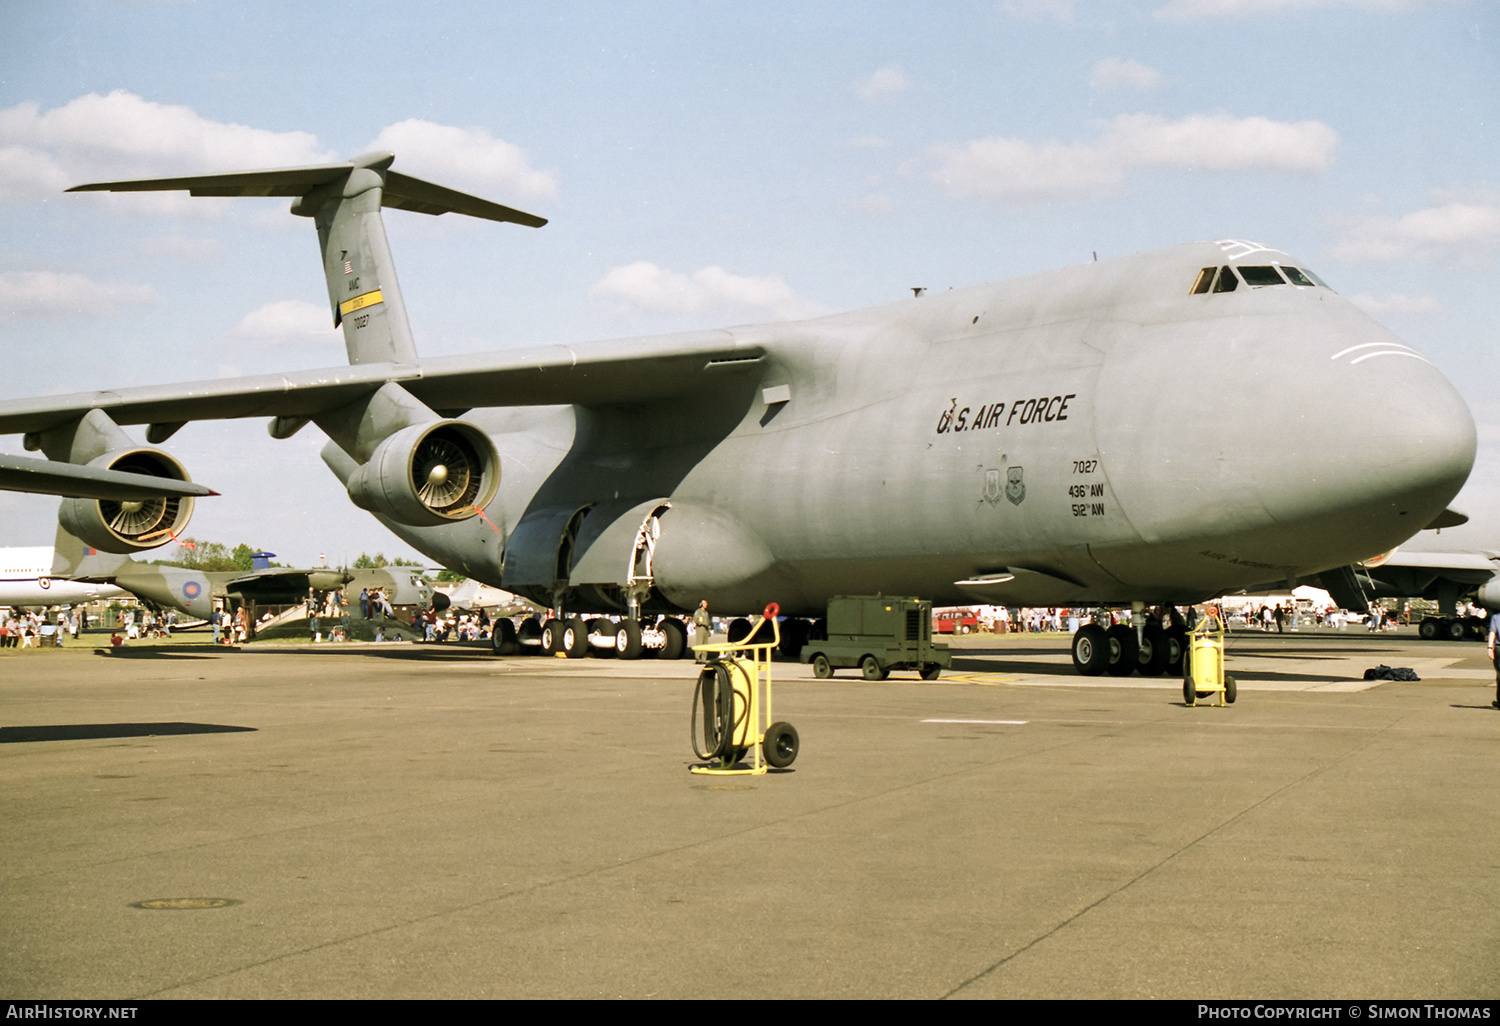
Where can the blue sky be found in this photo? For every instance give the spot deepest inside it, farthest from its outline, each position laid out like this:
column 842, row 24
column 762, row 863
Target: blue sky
column 706, row 164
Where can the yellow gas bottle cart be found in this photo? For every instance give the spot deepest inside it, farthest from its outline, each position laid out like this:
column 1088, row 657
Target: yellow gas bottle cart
column 1203, row 668
column 734, row 694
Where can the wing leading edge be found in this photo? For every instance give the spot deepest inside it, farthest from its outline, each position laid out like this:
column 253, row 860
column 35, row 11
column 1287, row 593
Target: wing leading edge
column 602, row 374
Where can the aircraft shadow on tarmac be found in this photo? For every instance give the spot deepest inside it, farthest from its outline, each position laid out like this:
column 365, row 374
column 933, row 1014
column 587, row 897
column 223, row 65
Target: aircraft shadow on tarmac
column 154, row 653
column 1066, row 671
column 99, row 731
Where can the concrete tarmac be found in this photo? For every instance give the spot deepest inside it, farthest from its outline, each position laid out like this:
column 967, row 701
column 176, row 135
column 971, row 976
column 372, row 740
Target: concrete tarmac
column 406, row 821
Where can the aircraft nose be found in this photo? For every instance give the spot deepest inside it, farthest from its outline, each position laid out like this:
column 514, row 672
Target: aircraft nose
column 1289, row 451
column 1383, row 442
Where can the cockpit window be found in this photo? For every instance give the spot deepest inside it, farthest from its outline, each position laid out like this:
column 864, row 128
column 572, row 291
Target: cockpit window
column 1260, row 276
column 1257, row 276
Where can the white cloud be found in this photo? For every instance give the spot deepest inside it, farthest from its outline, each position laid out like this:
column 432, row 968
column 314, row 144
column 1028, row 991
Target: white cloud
column 1456, row 231
column 289, row 320
column 884, row 84
column 1019, row 171
column 645, row 287
column 468, row 158
column 1114, row 73
column 1060, row 11
column 121, row 135
column 1186, row 10
column 1397, row 303
column 1218, row 142
column 52, row 294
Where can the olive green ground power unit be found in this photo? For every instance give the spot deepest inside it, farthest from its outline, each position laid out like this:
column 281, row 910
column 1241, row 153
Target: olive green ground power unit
column 878, row 634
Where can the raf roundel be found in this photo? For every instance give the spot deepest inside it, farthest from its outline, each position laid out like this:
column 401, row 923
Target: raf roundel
column 191, row 589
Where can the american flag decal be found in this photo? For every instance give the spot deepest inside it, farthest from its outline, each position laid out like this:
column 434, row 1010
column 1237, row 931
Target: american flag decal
column 348, row 267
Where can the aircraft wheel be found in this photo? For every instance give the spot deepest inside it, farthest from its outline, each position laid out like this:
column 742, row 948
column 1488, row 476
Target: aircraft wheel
column 575, row 638
column 1455, row 630
column 601, row 626
column 739, row 630
column 552, row 637
column 822, row 668
column 1189, row 696
column 503, row 638
column 932, row 671
column 628, row 639
column 1124, row 652
column 1176, row 641
column 1229, row 689
column 1430, row 629
column 793, row 637
column 780, row 745
column 1090, row 650
column 529, row 636
column 676, row 633
column 870, row 669
column 1153, row 654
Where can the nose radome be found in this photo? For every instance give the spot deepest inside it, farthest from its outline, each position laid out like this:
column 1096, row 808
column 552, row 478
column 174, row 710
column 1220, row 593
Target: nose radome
column 1387, row 438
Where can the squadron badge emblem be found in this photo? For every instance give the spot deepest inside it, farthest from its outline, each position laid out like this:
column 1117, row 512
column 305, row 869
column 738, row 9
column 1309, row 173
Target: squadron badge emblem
column 1015, row 488
column 992, row 486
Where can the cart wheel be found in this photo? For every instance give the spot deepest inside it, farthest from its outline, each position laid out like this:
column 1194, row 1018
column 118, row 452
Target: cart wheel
column 822, row 668
column 1188, row 694
column 1229, row 690
column 932, row 671
column 780, row 745
column 869, row 667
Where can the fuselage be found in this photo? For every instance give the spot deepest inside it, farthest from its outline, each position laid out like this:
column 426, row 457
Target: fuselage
column 26, row 580
column 1097, row 433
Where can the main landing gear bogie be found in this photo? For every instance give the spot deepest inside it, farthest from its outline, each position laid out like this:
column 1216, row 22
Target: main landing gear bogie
column 1117, row 651
column 600, row 637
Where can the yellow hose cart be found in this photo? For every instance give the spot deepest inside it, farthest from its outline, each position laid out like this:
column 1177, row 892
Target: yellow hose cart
column 734, row 693
column 1203, row 669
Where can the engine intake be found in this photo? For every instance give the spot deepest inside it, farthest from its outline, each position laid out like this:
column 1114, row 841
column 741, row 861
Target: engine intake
column 133, row 525
column 429, row 474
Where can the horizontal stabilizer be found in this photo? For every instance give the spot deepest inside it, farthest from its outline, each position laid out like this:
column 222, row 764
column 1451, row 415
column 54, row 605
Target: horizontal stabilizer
column 401, row 191
column 1447, row 518
column 50, row 477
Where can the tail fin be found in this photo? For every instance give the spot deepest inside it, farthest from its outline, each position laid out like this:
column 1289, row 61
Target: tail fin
column 345, row 200
column 72, row 558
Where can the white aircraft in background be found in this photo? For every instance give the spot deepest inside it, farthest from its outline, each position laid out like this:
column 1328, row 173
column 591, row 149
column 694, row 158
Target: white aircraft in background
column 26, row 580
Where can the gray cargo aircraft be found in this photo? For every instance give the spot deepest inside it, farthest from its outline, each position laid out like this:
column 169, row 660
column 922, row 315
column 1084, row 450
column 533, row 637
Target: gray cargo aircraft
column 1155, row 429
column 1443, row 577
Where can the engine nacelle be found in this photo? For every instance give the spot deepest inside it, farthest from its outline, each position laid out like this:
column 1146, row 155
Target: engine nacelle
column 1489, row 594
column 429, row 474
column 135, row 525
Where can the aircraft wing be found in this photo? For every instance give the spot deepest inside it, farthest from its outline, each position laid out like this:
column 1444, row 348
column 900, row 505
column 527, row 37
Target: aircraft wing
column 50, row 477
column 603, row 374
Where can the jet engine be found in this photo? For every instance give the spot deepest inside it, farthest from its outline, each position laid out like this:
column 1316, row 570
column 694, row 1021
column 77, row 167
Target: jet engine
column 1489, row 594
column 133, row 525
column 429, row 474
